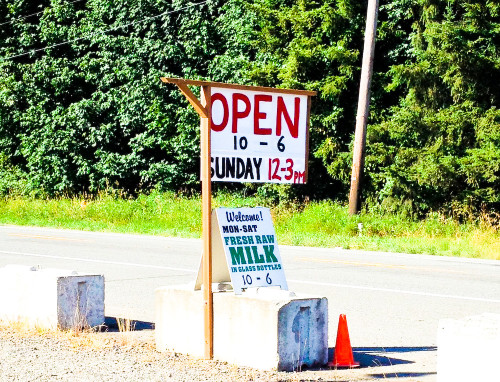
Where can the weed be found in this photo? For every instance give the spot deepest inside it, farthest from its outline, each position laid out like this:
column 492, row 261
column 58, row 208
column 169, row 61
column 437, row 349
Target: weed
column 323, row 224
column 125, row 325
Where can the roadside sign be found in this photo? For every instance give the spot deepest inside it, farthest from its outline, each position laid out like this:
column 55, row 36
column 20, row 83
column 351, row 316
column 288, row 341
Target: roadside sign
column 245, row 250
column 247, row 238
column 258, row 136
column 248, row 134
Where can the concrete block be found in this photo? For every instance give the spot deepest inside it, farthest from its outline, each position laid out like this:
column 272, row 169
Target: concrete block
column 264, row 328
column 51, row 298
column 468, row 349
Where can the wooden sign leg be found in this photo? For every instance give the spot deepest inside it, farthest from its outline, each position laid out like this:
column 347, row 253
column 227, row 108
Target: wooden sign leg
column 207, row 223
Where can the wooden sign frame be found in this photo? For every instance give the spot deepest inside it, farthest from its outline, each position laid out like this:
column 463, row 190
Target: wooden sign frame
column 203, row 108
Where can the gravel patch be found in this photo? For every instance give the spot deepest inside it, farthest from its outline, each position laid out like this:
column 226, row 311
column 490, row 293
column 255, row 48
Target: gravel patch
column 30, row 355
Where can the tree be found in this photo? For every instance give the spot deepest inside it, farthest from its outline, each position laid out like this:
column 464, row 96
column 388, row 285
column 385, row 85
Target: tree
column 439, row 148
column 90, row 110
column 299, row 44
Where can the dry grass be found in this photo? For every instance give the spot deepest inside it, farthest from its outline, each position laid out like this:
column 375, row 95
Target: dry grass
column 21, row 329
column 76, row 338
column 125, row 324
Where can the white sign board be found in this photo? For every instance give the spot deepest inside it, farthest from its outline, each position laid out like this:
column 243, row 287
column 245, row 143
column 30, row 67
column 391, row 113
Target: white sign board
column 258, row 136
column 250, row 247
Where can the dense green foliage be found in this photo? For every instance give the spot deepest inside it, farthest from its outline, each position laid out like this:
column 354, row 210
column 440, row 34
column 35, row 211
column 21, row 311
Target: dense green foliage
column 440, row 145
column 92, row 113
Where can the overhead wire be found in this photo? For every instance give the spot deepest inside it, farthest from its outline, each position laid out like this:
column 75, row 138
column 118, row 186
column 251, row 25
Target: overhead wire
column 105, row 31
column 35, row 14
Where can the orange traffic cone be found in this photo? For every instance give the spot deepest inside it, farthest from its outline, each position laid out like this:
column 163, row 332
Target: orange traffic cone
column 343, row 351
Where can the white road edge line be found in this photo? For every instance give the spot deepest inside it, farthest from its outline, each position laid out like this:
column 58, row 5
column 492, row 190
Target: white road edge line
column 291, row 281
column 395, row 291
column 98, row 261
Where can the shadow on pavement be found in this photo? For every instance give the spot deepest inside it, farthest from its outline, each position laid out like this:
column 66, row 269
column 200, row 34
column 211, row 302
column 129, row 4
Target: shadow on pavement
column 111, row 324
column 383, row 356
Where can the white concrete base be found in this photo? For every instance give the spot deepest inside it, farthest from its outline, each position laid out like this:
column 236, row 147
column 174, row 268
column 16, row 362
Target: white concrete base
column 263, row 328
column 468, row 349
column 51, row 298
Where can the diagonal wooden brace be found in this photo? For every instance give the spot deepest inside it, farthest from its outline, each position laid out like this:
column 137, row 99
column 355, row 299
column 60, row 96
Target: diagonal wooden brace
column 182, row 85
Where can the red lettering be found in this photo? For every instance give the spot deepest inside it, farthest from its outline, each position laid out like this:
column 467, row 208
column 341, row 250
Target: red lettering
column 282, row 111
column 289, row 162
column 225, row 116
column 298, row 177
column 239, row 114
column 258, row 115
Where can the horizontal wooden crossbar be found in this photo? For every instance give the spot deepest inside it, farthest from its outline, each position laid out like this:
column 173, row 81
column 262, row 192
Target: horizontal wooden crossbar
column 183, row 81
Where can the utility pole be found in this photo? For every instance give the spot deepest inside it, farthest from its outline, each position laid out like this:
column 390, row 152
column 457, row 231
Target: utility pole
column 363, row 107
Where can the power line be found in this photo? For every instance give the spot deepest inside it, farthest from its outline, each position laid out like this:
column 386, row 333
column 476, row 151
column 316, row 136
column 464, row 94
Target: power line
column 34, row 14
column 106, row 31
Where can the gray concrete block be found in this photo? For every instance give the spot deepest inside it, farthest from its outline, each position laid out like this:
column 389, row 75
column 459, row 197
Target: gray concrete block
column 264, row 328
column 468, row 349
column 51, row 298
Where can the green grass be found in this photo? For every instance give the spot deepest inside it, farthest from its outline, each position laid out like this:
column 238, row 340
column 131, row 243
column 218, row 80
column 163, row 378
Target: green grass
column 321, row 224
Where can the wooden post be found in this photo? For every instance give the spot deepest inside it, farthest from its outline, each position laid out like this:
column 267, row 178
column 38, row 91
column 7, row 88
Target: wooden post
column 206, row 195
column 202, row 107
column 363, row 107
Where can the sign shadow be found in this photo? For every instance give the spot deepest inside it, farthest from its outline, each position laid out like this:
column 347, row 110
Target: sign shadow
column 112, row 324
column 385, row 356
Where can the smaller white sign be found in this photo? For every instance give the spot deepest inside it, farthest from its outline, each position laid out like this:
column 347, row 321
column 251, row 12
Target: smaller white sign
column 251, row 248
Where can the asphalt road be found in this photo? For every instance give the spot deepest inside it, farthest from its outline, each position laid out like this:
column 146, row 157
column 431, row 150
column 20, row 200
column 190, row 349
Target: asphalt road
column 393, row 302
